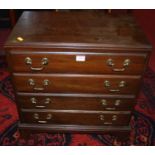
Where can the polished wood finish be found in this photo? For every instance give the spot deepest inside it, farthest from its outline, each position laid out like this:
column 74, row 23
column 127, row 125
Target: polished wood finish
column 74, row 128
column 74, row 29
column 76, row 72
column 64, row 83
column 76, row 101
column 76, row 117
column 65, row 62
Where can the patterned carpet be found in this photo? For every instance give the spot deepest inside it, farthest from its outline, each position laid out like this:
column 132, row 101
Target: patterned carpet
column 142, row 121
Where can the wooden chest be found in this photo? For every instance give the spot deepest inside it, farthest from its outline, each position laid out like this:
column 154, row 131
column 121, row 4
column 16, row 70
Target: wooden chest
column 76, row 71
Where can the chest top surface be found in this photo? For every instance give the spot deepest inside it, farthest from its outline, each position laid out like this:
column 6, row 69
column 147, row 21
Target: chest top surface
column 72, row 29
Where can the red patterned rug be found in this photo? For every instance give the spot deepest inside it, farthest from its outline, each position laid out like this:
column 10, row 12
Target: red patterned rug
column 142, row 122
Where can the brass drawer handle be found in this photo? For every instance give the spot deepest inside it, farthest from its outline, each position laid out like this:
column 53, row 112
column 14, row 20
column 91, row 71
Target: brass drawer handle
column 47, row 101
column 104, row 102
column 32, row 83
column 40, row 106
column 116, row 103
column 114, row 117
column 120, row 85
column 37, row 117
column 42, row 122
column 111, row 108
column 111, row 63
column 44, row 62
column 34, row 101
column 39, row 89
column 107, row 123
column 49, row 116
column 101, row 117
column 114, row 90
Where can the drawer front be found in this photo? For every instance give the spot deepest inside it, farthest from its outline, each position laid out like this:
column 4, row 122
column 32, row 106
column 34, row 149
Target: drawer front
column 76, row 83
column 76, row 118
column 110, row 63
column 70, row 102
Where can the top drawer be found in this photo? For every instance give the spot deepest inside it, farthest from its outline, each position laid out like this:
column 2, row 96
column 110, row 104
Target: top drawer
column 77, row 62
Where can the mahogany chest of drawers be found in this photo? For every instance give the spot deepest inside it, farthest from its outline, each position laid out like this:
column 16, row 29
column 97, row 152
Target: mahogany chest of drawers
column 76, row 71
